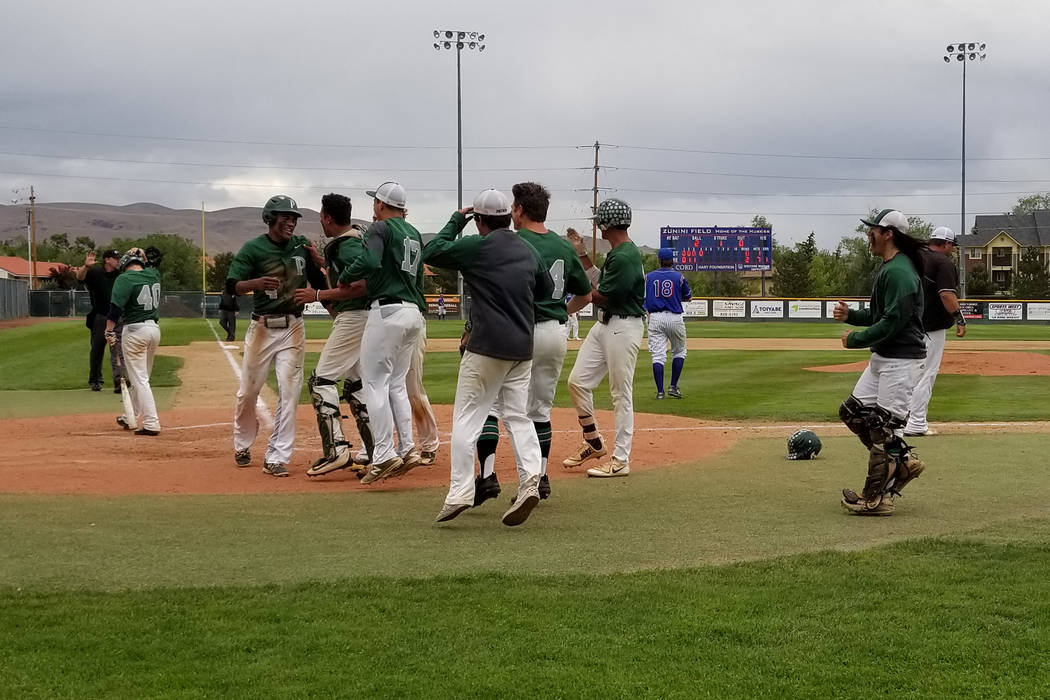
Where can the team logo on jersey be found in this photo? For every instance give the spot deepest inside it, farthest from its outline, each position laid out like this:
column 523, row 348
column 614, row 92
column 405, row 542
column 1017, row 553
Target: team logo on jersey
column 300, row 264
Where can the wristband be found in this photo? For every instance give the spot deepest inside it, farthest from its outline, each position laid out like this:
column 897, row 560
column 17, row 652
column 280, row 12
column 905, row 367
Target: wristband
column 317, row 295
column 960, row 320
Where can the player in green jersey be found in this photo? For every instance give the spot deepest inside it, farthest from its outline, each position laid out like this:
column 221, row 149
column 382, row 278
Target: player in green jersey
column 611, row 346
column 271, row 267
column 134, row 303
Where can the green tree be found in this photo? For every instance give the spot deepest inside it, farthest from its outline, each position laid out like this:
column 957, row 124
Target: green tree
column 919, row 228
column 217, row 271
column 443, row 281
column 794, row 268
column 828, row 274
column 1032, row 280
column 180, row 270
column 1031, row 203
column 979, row 283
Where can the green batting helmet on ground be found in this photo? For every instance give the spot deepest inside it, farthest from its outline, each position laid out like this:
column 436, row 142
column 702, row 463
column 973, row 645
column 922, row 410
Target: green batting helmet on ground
column 613, row 213
column 804, row 444
column 279, row 204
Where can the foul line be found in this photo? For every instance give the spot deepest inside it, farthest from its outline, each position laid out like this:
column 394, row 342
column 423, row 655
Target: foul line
column 261, row 409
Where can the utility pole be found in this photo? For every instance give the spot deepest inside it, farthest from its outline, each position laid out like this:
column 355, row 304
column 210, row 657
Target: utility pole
column 32, row 238
column 204, row 269
column 594, row 208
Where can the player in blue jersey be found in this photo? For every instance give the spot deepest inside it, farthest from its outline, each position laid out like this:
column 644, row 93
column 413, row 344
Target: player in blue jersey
column 665, row 290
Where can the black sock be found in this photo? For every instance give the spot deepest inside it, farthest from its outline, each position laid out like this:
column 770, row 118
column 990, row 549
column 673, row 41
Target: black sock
column 487, row 444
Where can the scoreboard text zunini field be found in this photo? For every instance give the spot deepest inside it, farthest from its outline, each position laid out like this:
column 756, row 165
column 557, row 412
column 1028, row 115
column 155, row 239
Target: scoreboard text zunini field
column 739, row 248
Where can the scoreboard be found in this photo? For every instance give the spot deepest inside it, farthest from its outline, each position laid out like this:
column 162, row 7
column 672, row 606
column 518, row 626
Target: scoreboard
column 739, row 248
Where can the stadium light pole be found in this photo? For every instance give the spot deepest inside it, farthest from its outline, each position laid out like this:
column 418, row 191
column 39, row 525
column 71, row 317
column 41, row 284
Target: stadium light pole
column 963, row 53
column 449, row 39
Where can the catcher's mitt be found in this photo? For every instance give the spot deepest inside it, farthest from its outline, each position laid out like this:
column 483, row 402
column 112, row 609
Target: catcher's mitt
column 154, row 256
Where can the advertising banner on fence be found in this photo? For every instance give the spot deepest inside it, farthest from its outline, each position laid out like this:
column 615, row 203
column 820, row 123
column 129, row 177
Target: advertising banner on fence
column 1038, row 312
column 1004, row 311
column 451, row 303
column 767, row 309
column 804, row 309
column 315, row 308
column 587, row 311
column 695, row 309
column 972, row 309
column 729, row 308
column 829, row 307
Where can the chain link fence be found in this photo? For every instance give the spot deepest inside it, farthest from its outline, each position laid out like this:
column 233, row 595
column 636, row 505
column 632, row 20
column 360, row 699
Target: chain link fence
column 58, row 303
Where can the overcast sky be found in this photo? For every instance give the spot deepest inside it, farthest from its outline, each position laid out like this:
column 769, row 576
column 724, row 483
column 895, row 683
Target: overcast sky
column 344, row 95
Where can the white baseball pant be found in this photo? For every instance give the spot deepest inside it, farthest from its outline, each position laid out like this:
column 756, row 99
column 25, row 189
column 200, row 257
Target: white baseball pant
column 390, row 339
column 572, row 327
column 139, row 343
column 666, row 326
column 340, row 358
column 609, row 348
column 422, row 414
column 888, row 382
column 920, row 398
column 265, row 348
column 483, row 380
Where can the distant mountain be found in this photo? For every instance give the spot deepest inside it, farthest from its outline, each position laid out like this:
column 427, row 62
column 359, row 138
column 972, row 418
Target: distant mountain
column 225, row 229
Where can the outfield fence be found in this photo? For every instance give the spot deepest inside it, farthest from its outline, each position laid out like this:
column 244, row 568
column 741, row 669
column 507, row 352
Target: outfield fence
column 14, row 298
column 742, row 309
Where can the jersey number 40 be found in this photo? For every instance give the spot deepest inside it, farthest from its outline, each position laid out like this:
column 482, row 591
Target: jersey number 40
column 149, row 297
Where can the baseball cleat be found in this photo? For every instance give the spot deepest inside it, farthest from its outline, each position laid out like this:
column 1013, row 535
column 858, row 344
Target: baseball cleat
column 242, row 457
column 381, row 470
column 427, row 457
column 408, row 463
column 324, row 466
column 123, row 423
column 485, row 488
column 674, row 393
column 450, row 511
column 659, row 395
column 275, row 469
column 856, row 504
column 582, row 455
column 362, row 457
column 527, row 498
column 147, row 431
column 96, row 386
column 920, row 433
column 610, row 468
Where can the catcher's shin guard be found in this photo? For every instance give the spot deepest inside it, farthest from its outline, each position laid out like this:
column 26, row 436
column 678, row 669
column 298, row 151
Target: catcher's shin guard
column 360, row 413
column 908, row 466
column 881, row 469
column 854, row 414
column 328, row 424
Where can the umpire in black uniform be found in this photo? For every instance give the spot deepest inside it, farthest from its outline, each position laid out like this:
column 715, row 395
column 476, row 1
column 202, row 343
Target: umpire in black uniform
column 99, row 282
column 228, row 309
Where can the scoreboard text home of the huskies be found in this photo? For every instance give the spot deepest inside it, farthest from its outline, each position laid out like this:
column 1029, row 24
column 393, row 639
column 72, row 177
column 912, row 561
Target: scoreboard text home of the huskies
column 740, row 248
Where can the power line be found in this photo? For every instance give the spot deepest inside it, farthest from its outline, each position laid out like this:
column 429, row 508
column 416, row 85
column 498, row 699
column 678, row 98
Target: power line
column 805, row 177
column 808, row 194
column 266, row 143
column 812, row 156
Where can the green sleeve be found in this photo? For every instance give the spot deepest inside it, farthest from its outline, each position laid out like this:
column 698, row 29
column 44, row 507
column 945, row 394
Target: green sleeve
column 121, row 292
column 576, row 281
column 544, row 285
column 242, row 266
column 448, row 252
column 372, row 258
column 859, row 317
column 898, row 302
column 610, row 276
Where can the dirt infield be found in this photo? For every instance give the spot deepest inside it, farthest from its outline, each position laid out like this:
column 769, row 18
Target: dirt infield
column 988, row 363
column 194, row 455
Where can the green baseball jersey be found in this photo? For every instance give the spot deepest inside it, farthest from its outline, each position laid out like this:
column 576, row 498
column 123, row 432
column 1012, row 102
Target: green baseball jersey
column 622, row 280
column 392, row 263
column 137, row 294
column 339, row 254
column 894, row 314
column 291, row 263
column 561, row 261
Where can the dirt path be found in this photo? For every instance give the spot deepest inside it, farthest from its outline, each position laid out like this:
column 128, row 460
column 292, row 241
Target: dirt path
column 208, row 378
column 989, row 363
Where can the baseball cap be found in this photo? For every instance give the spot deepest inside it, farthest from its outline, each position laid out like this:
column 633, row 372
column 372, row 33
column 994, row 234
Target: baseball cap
column 665, row 254
column 491, row 203
column 943, row 233
column 888, row 218
column 111, row 253
column 390, row 193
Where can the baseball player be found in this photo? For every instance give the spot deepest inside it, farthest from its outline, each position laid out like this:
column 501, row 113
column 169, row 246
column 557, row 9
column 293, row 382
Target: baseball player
column 877, row 409
column 441, row 307
column 572, row 325
column 272, row 266
column 422, row 413
column 342, row 351
column 940, row 312
column 528, row 214
column 665, row 290
column 134, row 303
column 391, row 273
column 611, row 346
column 99, row 282
column 505, row 275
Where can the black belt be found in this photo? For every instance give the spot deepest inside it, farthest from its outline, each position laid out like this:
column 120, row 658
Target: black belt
column 388, row 301
column 606, row 317
column 259, row 317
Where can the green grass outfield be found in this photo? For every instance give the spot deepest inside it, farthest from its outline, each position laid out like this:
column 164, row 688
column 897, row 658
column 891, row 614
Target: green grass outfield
column 735, row 576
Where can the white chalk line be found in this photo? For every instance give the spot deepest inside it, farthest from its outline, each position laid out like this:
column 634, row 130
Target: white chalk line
column 261, row 409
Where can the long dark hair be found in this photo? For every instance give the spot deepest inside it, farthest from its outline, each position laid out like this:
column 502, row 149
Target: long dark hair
column 911, row 247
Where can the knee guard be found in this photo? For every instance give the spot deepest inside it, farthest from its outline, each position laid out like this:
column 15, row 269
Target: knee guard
column 854, row 415
column 327, row 417
column 360, row 413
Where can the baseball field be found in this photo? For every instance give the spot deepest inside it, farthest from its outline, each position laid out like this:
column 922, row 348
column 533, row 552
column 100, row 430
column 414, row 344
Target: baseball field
column 152, row 567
